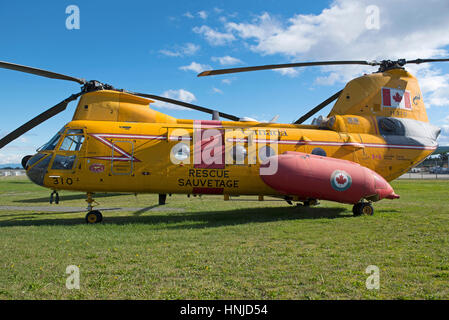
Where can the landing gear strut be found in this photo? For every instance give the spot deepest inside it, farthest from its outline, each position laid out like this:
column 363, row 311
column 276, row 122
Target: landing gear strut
column 310, row 202
column 363, row 208
column 92, row 216
column 162, row 199
column 55, row 198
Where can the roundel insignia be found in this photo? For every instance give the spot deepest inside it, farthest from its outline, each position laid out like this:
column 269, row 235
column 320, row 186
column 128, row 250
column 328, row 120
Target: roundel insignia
column 340, row 180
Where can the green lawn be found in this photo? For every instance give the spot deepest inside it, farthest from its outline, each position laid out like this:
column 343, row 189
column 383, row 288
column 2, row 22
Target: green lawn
column 215, row 249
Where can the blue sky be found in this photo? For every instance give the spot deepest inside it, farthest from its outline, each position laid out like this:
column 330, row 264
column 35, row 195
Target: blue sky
column 158, row 47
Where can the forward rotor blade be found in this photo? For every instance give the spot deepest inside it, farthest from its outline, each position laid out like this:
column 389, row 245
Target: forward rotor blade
column 187, row 105
column 274, row 119
column 318, row 108
column 37, row 120
column 39, row 72
column 418, row 61
column 284, row 65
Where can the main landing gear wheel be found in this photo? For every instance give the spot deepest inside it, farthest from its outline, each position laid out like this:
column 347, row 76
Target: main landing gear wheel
column 363, row 208
column 94, row 216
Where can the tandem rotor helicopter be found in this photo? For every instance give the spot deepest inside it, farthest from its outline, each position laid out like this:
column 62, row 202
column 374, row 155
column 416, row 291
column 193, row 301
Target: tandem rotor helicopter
column 377, row 130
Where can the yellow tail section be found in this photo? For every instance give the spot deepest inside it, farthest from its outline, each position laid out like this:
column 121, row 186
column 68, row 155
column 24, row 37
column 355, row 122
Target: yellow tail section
column 393, row 93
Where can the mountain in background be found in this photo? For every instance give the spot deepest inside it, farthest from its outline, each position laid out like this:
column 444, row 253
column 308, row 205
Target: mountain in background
column 11, row 165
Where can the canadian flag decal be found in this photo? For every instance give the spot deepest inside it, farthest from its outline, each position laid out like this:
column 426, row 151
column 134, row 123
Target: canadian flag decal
column 395, row 98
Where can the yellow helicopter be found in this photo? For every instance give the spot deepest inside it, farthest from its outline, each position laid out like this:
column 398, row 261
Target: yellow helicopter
column 377, row 130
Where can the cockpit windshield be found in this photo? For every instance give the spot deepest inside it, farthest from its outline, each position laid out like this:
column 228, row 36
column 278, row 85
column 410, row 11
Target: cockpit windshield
column 51, row 145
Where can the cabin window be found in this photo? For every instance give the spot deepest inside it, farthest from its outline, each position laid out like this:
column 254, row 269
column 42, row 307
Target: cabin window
column 239, row 154
column 63, row 162
column 72, row 143
column 319, row 152
column 181, row 151
column 265, row 152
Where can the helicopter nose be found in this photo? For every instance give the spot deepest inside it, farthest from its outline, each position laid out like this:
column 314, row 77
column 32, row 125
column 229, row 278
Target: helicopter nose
column 36, row 172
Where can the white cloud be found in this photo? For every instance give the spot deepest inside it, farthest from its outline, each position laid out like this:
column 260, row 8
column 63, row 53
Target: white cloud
column 446, row 120
column 202, row 14
column 260, row 29
column 196, row 67
column 16, row 150
column 188, row 49
column 226, row 81
column 181, row 94
column 227, row 60
column 340, row 31
column 214, row 37
column 443, row 139
column 188, row 15
column 410, row 30
column 291, row 72
column 170, row 53
column 433, row 83
column 10, row 158
column 216, row 90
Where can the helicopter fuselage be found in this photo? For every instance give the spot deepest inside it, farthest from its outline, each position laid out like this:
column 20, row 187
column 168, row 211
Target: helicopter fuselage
column 116, row 143
column 100, row 156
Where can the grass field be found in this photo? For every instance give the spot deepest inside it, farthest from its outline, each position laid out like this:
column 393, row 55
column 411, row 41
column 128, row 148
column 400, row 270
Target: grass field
column 239, row 249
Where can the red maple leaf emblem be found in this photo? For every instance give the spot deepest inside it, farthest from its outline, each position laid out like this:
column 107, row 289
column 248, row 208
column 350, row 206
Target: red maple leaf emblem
column 341, row 179
column 397, row 97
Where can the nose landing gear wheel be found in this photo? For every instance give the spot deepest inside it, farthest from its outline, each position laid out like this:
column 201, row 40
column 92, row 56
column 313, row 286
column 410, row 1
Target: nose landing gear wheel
column 94, row 216
column 363, row 208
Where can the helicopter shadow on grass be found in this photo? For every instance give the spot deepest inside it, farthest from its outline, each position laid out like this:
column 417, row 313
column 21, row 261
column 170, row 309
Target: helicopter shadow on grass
column 34, row 215
column 387, row 211
column 70, row 197
column 196, row 220
column 19, row 182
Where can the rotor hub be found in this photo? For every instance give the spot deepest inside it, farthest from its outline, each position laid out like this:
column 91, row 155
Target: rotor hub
column 94, row 85
column 385, row 65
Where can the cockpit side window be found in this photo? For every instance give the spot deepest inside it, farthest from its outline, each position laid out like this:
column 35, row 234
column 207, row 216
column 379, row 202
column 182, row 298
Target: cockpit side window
column 74, row 131
column 72, row 143
column 63, row 162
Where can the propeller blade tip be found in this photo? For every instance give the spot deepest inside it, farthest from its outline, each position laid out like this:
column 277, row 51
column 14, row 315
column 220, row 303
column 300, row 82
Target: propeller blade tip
column 204, row 73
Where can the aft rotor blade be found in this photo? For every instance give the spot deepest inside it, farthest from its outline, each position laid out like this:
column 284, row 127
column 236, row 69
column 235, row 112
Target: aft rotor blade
column 37, row 120
column 39, row 72
column 284, row 65
column 187, row 105
column 318, row 108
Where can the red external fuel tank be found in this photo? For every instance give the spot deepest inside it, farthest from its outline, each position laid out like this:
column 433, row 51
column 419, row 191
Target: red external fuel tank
column 311, row 176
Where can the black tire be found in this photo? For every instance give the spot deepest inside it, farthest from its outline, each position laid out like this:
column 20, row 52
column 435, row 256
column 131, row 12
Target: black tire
column 364, row 208
column 367, row 209
column 94, row 216
column 356, row 210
